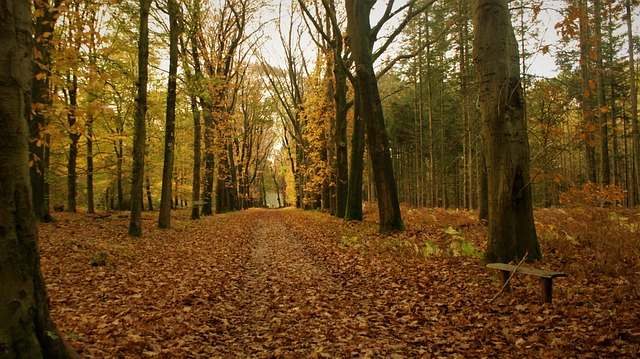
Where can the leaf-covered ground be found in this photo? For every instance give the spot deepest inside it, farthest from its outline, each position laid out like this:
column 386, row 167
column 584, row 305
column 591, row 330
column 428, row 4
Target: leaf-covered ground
column 294, row 284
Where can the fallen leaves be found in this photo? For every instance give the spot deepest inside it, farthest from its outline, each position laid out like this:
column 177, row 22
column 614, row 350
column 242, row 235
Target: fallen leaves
column 281, row 283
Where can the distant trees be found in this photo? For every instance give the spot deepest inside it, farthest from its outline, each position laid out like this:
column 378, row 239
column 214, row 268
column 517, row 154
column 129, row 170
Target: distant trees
column 247, row 117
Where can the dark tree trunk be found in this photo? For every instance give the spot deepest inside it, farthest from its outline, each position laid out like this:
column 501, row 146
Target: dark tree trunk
column 197, row 154
column 74, row 137
column 358, row 28
column 90, row 195
column 342, row 163
column 139, row 137
column 27, row 329
column 149, row 199
column 354, row 197
column 164, row 217
column 512, row 232
column 45, row 19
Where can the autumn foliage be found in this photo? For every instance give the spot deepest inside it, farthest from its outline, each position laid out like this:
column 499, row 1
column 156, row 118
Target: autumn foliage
column 290, row 283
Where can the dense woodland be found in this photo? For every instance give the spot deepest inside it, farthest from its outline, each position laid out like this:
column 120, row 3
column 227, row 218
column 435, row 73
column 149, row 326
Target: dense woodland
column 264, row 104
column 429, row 111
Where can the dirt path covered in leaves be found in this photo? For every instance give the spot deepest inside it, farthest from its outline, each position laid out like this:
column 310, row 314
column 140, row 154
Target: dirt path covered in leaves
column 291, row 284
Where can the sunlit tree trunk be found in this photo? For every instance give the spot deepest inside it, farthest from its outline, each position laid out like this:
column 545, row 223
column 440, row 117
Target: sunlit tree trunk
column 512, row 232
column 164, row 219
column 26, row 330
column 139, row 137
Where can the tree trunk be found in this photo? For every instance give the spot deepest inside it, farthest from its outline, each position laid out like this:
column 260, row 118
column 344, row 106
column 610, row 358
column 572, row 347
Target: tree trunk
column 634, row 187
column 90, row 195
column 601, row 111
column 586, row 103
column 139, row 136
column 149, row 199
column 164, row 217
column 354, row 197
column 512, row 232
column 197, row 154
column 358, row 28
column 45, row 19
column 74, row 137
column 27, row 330
column 342, row 164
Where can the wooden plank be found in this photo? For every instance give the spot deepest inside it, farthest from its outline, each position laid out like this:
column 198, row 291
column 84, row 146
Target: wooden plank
column 524, row 270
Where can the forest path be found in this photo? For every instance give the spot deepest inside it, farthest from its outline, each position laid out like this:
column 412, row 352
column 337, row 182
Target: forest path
column 287, row 283
column 291, row 299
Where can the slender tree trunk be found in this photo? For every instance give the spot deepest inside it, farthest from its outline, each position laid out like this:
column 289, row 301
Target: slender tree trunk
column 634, row 187
column 512, row 232
column 342, row 163
column 90, row 194
column 601, row 111
column 164, row 217
column 358, row 28
column 45, row 17
column 197, row 155
column 139, row 137
column 586, row 103
column 74, row 137
column 149, row 199
column 354, row 199
column 27, row 330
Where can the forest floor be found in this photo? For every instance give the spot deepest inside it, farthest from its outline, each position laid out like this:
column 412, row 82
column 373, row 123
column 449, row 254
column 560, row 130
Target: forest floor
column 287, row 283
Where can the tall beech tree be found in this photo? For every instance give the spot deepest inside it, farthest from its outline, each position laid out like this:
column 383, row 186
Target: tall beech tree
column 27, row 330
column 164, row 219
column 360, row 42
column 512, row 232
column 139, row 137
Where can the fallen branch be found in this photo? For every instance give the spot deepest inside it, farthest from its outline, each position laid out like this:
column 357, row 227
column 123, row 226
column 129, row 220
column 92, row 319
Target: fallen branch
column 506, row 283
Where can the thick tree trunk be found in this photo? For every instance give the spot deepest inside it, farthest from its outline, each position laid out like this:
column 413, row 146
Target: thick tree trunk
column 27, row 330
column 139, row 136
column 164, row 217
column 512, row 232
column 358, row 28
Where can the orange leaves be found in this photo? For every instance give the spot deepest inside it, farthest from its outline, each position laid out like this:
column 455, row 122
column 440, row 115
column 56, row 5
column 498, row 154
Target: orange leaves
column 265, row 283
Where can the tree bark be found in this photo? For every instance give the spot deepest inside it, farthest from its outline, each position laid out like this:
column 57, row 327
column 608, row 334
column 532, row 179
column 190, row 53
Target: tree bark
column 602, row 110
column 74, row 137
column 27, row 330
column 45, row 19
column 358, row 28
column 512, row 232
column 354, row 197
column 635, row 187
column 164, row 217
column 139, row 137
